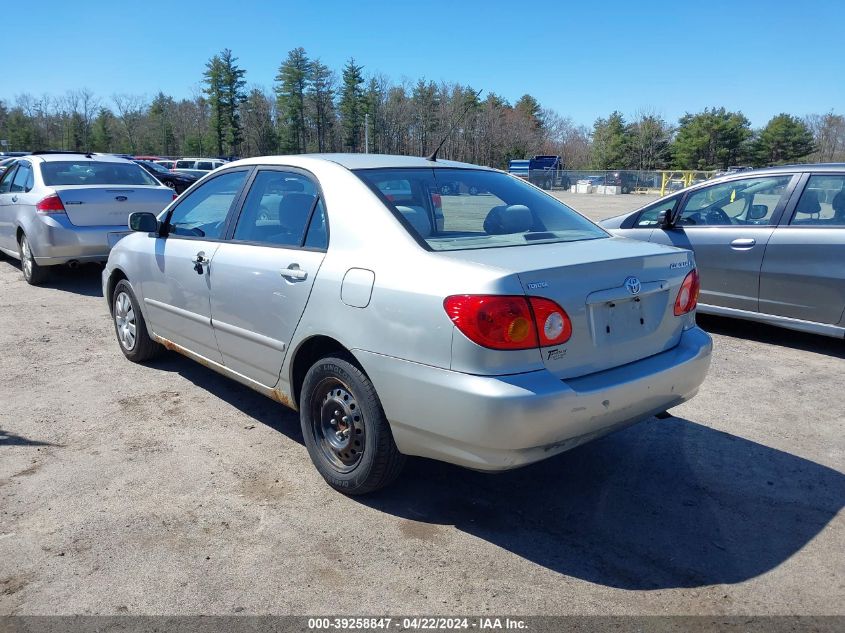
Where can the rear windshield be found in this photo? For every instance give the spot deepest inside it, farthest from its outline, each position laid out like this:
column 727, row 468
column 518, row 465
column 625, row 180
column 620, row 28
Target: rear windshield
column 455, row 209
column 94, row 173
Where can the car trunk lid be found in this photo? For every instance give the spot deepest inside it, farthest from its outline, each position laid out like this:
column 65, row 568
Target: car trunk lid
column 618, row 293
column 110, row 205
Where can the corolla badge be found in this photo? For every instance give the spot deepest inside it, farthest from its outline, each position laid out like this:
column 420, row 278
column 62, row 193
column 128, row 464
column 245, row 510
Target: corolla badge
column 121, row 198
column 633, row 285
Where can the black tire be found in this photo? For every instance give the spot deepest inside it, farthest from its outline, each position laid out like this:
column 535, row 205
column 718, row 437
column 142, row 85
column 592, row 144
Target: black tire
column 142, row 347
column 346, row 432
column 34, row 274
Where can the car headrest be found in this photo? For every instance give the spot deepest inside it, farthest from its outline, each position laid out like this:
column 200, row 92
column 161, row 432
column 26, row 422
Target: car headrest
column 838, row 204
column 291, row 186
column 417, row 217
column 515, row 218
column 294, row 209
column 809, row 202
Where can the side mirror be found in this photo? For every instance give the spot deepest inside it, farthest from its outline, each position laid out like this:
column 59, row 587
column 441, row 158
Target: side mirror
column 143, row 222
column 664, row 219
column 758, row 211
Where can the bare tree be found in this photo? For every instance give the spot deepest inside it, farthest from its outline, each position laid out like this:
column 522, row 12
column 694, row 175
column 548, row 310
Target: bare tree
column 130, row 112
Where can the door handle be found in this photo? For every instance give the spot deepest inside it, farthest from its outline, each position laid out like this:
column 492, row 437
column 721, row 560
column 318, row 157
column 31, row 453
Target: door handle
column 199, row 261
column 743, row 243
column 294, row 272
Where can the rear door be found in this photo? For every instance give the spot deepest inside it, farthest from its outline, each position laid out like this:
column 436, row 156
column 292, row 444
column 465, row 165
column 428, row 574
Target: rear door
column 803, row 273
column 262, row 278
column 176, row 285
column 728, row 225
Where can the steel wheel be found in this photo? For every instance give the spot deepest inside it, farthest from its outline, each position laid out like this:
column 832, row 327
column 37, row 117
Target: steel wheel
column 124, row 319
column 337, row 424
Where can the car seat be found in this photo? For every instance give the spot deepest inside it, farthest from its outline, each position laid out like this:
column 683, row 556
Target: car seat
column 516, row 218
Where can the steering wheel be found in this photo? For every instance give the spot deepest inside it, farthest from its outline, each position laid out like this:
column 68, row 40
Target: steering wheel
column 717, row 215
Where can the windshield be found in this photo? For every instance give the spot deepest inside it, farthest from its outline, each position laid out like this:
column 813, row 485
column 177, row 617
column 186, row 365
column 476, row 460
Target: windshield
column 156, row 168
column 456, row 209
column 94, row 173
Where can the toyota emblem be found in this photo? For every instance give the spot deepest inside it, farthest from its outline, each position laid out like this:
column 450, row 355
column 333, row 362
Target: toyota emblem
column 633, row 285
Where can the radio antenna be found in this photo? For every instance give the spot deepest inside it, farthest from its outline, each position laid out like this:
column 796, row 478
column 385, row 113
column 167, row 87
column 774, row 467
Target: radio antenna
column 470, row 102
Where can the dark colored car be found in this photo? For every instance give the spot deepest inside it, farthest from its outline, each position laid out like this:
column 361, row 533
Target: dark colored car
column 176, row 181
column 623, row 179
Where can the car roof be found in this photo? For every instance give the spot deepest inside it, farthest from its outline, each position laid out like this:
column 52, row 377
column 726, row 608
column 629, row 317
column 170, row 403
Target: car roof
column 356, row 161
column 81, row 156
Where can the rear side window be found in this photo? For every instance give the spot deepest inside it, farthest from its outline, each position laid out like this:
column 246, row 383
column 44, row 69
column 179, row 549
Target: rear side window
column 185, row 164
column 277, row 209
column 822, row 202
column 57, row 173
column 205, row 165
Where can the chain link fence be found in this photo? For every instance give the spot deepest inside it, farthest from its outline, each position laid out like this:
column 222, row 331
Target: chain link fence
column 616, row 181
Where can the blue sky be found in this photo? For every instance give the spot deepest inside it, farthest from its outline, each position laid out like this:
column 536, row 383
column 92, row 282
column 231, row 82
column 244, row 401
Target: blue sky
column 583, row 59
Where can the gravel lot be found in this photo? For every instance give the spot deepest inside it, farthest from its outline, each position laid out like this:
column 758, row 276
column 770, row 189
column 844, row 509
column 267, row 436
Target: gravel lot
column 166, row 489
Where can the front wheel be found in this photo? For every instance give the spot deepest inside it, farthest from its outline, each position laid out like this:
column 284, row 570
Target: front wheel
column 34, row 274
column 130, row 327
column 346, row 432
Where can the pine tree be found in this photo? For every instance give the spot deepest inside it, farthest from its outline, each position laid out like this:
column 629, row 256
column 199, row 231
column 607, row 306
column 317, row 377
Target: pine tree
column 785, row 138
column 352, row 105
column 292, row 80
column 224, row 85
column 321, row 103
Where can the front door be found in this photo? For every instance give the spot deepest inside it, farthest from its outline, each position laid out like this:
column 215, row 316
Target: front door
column 176, row 288
column 7, row 210
column 803, row 274
column 263, row 276
column 728, row 225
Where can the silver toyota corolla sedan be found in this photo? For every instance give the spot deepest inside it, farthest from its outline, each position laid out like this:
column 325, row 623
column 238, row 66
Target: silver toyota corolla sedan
column 769, row 243
column 66, row 208
column 490, row 330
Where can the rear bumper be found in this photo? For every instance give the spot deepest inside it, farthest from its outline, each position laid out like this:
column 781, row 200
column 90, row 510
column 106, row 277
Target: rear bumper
column 502, row 422
column 54, row 240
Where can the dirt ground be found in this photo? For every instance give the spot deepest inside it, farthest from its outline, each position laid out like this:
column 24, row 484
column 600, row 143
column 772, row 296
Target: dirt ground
column 166, row 489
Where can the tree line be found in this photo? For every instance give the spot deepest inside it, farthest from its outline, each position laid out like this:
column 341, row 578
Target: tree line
column 312, row 108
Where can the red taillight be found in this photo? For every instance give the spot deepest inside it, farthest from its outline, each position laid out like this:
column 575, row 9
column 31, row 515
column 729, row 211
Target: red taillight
column 50, row 204
column 175, row 195
column 509, row 322
column 553, row 324
column 437, row 200
column 687, row 297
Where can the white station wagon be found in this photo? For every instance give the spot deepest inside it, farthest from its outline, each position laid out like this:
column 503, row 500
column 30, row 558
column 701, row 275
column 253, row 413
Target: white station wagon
column 489, row 330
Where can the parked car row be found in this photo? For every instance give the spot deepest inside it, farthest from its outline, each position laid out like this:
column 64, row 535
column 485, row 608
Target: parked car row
column 66, row 208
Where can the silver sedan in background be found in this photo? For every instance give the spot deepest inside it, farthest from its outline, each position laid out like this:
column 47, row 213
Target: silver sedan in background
column 66, row 208
column 490, row 330
column 769, row 243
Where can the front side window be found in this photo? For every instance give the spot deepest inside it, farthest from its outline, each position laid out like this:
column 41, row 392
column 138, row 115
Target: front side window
column 277, row 209
column 455, row 209
column 205, row 165
column 203, row 212
column 648, row 217
column 185, row 164
column 822, row 203
column 90, row 172
column 8, row 177
column 749, row 201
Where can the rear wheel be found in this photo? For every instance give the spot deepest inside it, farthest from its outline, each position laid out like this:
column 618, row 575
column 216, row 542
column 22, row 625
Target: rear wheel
column 130, row 327
column 345, row 429
column 32, row 272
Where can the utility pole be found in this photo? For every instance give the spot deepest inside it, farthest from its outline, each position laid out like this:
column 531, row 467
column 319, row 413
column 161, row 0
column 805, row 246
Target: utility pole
column 366, row 132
